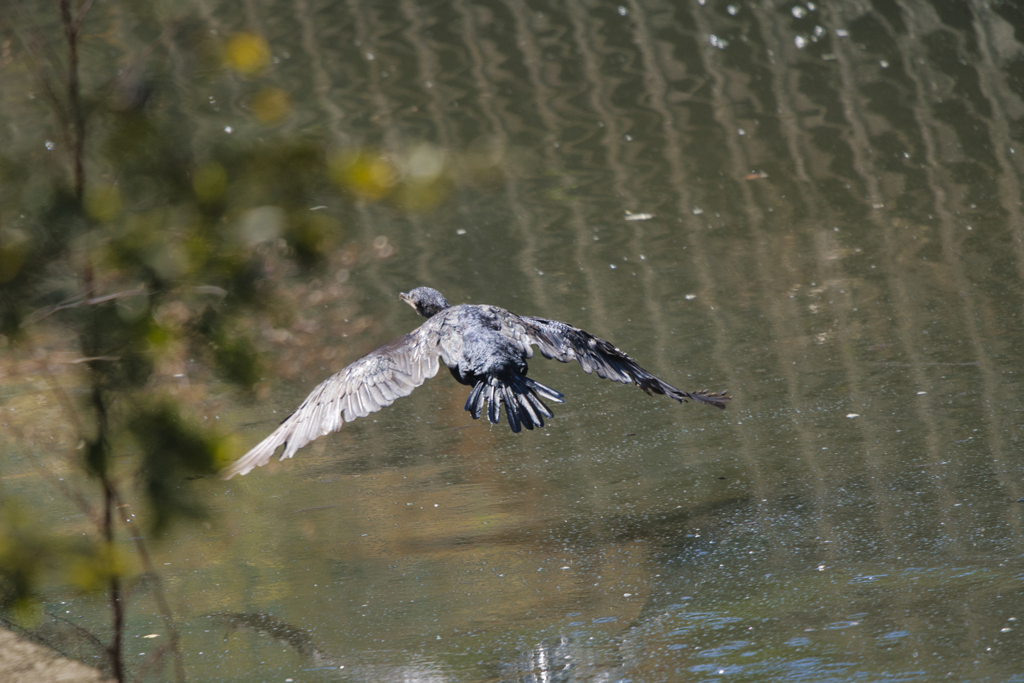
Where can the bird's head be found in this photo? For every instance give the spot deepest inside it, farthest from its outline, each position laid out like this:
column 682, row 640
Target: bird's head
column 427, row 302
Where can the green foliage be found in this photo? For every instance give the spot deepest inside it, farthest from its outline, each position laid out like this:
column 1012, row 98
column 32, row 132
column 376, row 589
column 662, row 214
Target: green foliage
column 116, row 341
column 237, row 361
column 147, row 243
column 30, row 554
column 24, row 555
column 157, row 253
column 173, row 451
column 30, row 246
column 97, row 458
column 151, row 254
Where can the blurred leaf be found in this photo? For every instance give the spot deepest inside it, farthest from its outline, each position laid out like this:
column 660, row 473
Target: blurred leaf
column 173, row 450
column 118, row 348
column 262, row 224
column 93, row 569
column 132, row 136
column 422, row 195
column 312, row 235
column 366, row 173
column 24, row 554
column 104, row 203
column 282, row 174
column 247, row 53
column 10, row 319
column 12, row 258
column 209, row 182
column 237, row 360
column 271, row 105
column 97, row 458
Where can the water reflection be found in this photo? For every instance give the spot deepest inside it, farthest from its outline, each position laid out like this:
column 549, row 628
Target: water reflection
column 834, row 235
column 265, row 624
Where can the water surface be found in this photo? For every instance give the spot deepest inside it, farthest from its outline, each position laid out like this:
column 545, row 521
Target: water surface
column 815, row 206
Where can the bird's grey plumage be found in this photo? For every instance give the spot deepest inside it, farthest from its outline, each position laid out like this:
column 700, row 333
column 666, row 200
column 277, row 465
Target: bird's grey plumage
column 484, row 347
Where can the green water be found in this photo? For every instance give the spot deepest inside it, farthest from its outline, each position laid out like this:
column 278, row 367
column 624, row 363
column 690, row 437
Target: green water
column 835, row 236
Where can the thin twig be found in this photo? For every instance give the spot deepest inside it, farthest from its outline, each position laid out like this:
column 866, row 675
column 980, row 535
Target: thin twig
column 77, row 24
column 140, row 291
column 80, row 300
column 36, row 638
column 158, row 594
column 72, row 27
column 116, row 648
column 74, row 95
column 84, row 631
column 153, row 659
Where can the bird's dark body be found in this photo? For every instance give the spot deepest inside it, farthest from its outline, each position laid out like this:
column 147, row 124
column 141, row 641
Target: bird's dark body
column 484, row 350
column 484, row 347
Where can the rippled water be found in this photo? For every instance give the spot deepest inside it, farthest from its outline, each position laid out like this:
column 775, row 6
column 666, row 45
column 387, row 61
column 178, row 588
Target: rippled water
column 816, row 206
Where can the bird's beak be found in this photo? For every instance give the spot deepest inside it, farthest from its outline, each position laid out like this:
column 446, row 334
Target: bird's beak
column 406, row 298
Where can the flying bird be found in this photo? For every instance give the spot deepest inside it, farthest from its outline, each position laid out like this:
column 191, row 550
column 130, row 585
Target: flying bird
column 484, row 347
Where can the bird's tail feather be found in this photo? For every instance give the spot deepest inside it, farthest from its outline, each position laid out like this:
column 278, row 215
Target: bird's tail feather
column 711, row 398
column 494, row 402
column 475, row 401
column 521, row 396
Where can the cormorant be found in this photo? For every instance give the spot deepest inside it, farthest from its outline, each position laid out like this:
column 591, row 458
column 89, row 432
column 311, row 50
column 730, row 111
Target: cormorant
column 484, row 347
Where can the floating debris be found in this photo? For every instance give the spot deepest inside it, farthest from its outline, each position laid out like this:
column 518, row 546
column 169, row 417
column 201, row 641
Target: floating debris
column 630, row 216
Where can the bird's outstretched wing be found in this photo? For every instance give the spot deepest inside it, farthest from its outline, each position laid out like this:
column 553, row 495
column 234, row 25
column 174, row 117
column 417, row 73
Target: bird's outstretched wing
column 566, row 343
column 367, row 385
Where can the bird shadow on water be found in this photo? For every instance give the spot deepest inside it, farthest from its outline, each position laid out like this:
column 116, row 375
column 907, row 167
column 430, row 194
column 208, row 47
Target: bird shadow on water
column 298, row 639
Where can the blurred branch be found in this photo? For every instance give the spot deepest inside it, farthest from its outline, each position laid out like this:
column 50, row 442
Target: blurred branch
column 189, row 272
column 85, row 632
column 159, row 596
column 102, row 445
column 79, row 300
column 77, row 24
column 157, row 655
column 72, row 28
column 23, row 632
column 34, row 43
